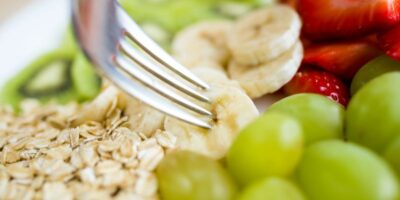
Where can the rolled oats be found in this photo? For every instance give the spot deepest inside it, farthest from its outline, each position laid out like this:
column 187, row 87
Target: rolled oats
column 87, row 175
column 56, row 190
column 146, row 184
column 108, row 167
column 150, row 158
column 4, row 181
column 88, row 155
column 73, row 152
column 165, row 139
column 20, row 172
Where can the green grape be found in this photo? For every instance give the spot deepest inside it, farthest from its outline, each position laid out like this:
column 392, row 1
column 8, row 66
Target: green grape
column 373, row 69
column 271, row 189
column 184, row 175
column 391, row 154
column 373, row 115
column 320, row 117
column 336, row 170
column 270, row 146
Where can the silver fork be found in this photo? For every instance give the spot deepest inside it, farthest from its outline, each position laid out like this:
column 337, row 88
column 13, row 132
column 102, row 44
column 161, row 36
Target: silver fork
column 106, row 34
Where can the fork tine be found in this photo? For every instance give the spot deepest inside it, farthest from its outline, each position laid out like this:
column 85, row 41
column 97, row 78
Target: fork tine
column 151, row 67
column 135, row 33
column 97, row 25
column 141, row 92
column 150, row 82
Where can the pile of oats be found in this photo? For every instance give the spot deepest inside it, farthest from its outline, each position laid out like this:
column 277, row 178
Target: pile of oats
column 79, row 152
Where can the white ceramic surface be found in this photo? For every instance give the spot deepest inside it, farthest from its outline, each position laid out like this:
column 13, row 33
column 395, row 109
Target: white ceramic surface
column 35, row 29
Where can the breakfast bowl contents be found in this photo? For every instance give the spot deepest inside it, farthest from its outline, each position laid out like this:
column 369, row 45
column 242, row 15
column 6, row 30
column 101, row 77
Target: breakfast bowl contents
column 333, row 133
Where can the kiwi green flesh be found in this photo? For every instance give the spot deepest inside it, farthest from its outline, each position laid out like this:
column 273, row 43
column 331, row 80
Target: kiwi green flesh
column 69, row 42
column 84, row 78
column 51, row 79
column 47, row 79
column 232, row 9
column 170, row 16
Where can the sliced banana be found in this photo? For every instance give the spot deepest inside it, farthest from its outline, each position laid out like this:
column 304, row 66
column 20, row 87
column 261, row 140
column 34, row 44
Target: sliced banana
column 270, row 76
column 143, row 118
column 233, row 110
column 264, row 34
column 203, row 45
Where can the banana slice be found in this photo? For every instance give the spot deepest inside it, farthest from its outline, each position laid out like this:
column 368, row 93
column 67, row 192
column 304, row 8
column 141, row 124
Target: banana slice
column 233, row 110
column 270, row 76
column 264, row 34
column 143, row 118
column 203, row 44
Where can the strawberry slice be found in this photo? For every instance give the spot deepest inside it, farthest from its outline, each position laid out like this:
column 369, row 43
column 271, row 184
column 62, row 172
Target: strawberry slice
column 325, row 19
column 390, row 42
column 343, row 59
column 308, row 80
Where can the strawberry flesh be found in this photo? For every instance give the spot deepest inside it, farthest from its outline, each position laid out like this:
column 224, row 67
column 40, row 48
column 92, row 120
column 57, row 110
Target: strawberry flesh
column 308, row 80
column 328, row 19
column 390, row 42
column 343, row 59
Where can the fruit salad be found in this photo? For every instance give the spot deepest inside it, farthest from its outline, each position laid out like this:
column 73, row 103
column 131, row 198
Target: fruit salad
column 334, row 135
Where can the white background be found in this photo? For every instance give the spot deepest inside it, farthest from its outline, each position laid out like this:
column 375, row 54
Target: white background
column 35, row 29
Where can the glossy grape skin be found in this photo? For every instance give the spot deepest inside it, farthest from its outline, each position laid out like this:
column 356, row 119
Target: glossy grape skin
column 320, row 117
column 270, row 146
column 183, row 175
column 374, row 68
column 271, row 189
column 336, row 170
column 392, row 155
column 373, row 115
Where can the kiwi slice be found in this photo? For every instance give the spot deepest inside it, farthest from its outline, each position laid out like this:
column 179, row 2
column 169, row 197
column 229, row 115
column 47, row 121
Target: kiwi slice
column 69, row 43
column 167, row 16
column 56, row 76
column 47, row 78
column 232, row 9
column 84, row 79
column 63, row 75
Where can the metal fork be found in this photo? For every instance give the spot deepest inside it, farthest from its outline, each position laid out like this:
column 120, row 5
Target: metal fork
column 124, row 54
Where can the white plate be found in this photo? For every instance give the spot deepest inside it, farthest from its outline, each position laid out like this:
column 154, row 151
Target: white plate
column 32, row 31
column 39, row 28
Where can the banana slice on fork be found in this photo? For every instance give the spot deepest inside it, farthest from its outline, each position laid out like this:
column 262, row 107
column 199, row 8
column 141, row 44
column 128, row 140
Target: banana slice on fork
column 233, row 110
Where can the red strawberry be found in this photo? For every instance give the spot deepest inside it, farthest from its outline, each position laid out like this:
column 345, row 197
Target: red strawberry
column 347, row 18
column 343, row 59
column 319, row 82
column 291, row 3
column 390, row 42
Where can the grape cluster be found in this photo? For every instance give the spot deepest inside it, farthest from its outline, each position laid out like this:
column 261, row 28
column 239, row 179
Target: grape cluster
column 305, row 146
